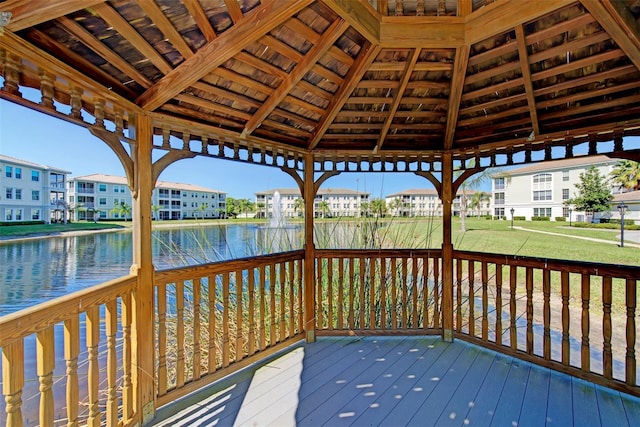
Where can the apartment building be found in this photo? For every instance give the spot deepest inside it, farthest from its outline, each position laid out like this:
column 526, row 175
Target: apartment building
column 541, row 190
column 426, row 202
column 31, row 191
column 329, row 202
column 101, row 196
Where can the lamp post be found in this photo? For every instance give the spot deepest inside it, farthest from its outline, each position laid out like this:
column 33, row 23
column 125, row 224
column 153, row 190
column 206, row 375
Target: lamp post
column 570, row 210
column 512, row 211
column 622, row 208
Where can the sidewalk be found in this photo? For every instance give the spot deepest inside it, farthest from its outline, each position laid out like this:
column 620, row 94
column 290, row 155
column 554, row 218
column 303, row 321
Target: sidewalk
column 634, row 237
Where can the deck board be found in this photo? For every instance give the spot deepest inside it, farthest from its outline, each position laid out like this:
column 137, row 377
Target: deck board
column 399, row 381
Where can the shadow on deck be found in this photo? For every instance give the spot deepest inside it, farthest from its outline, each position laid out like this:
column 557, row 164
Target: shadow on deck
column 397, row 381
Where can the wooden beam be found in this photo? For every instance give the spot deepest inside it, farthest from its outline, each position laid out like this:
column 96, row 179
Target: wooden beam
column 406, row 76
column 169, row 158
column 233, row 7
column 309, row 293
column 256, row 24
column 198, row 15
column 114, row 19
column 29, row 13
column 455, row 94
column 504, row 15
column 77, row 31
column 166, row 27
column 427, row 32
column 329, row 37
column 617, row 20
column 366, row 56
column 360, row 15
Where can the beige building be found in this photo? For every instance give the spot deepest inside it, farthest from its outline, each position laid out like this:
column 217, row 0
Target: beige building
column 330, row 202
column 541, row 190
column 99, row 196
column 426, row 202
column 31, row 191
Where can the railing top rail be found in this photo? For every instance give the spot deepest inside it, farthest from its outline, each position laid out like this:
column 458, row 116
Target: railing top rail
column 570, row 266
column 226, row 266
column 33, row 319
column 389, row 253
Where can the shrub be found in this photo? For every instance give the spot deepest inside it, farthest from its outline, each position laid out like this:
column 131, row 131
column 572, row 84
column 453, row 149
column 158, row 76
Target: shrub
column 540, row 218
column 3, row 224
column 609, row 226
column 519, row 218
column 560, row 219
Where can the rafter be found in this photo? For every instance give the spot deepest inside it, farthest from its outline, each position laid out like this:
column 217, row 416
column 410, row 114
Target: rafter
column 256, row 24
column 29, row 13
column 406, row 76
column 195, row 10
column 77, row 31
column 233, row 7
column 166, row 27
column 114, row 19
column 329, row 37
column 617, row 20
column 455, row 94
column 366, row 56
column 360, row 15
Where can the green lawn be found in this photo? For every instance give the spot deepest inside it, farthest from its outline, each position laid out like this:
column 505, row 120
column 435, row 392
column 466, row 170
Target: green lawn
column 44, row 229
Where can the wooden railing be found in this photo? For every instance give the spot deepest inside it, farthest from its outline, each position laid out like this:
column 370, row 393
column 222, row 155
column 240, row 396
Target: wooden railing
column 391, row 291
column 574, row 317
column 69, row 360
column 213, row 319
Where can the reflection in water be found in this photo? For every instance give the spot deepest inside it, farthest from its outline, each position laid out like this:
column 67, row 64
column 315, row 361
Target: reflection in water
column 35, row 271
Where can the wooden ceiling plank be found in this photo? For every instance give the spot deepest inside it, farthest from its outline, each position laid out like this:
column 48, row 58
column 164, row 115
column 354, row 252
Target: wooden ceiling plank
column 494, row 53
column 77, row 31
column 261, row 65
column 494, row 103
column 201, row 116
column 114, row 19
column 369, row 100
column 286, row 128
column 526, row 75
column 243, row 80
column 304, row 104
column 572, row 46
column 626, row 101
column 504, row 15
column 619, row 23
column 588, row 94
column 29, row 13
column 455, row 94
column 331, row 34
column 580, row 63
column 233, row 7
column 509, row 84
column 223, row 93
column 256, row 24
column 282, row 48
column 367, row 55
column 197, row 13
column 305, row 85
column 326, row 74
column 397, row 98
column 560, row 28
column 420, row 66
column 491, row 73
column 360, row 15
column 489, row 117
column 166, row 27
column 78, row 61
column 591, row 78
column 213, row 106
column 295, row 117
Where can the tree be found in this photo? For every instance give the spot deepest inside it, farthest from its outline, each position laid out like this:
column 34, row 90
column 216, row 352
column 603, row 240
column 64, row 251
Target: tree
column 474, row 182
column 395, row 206
column 261, row 210
column 626, row 173
column 476, row 201
column 122, row 209
column 378, row 207
column 203, row 207
column 594, row 194
column 298, row 205
column 154, row 210
column 324, row 209
column 232, row 207
column 245, row 205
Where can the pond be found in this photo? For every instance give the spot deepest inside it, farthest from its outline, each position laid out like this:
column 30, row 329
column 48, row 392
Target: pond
column 34, row 271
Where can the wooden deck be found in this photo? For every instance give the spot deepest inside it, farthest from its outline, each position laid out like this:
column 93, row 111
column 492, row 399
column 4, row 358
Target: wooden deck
column 399, row 381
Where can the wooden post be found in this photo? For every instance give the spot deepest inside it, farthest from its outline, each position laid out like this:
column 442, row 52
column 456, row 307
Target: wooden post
column 309, row 252
column 143, row 309
column 447, row 248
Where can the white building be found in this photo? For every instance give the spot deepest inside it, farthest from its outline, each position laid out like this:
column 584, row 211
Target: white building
column 100, row 196
column 426, row 202
column 332, row 202
column 541, row 190
column 31, row 191
column 631, row 200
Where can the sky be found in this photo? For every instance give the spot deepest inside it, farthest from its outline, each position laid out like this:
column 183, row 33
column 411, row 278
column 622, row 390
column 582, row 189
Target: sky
column 29, row 135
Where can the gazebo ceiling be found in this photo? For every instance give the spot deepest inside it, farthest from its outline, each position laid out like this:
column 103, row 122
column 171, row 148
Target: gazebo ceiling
column 357, row 77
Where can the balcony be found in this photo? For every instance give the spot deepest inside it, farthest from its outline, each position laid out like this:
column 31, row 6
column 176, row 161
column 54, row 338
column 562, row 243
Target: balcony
column 531, row 337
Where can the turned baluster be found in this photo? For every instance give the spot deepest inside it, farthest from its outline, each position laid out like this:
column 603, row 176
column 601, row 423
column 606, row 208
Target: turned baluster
column 211, row 292
column 119, row 121
column 180, row 334
column 47, row 90
column 630, row 361
column 442, row 10
column 12, row 67
column 93, row 341
column 485, row 301
column 498, row 304
column 585, row 351
column 399, row 8
column 529, row 285
column 166, row 133
column 607, row 357
column 98, row 112
column 127, row 389
column 513, row 330
column 45, row 360
column 251, row 348
column 472, row 299
column 546, row 310
column 420, row 8
column 221, row 149
column 71, row 350
column 112, row 366
column 205, row 145
column 13, row 381
column 186, row 138
column 566, row 348
column 196, row 328
column 76, row 102
column 459, row 295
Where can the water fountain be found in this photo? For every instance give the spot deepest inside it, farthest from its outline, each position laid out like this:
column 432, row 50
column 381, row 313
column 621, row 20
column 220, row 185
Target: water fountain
column 277, row 220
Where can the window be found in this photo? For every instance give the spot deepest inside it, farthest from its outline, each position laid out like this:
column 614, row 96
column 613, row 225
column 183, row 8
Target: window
column 35, row 176
column 565, row 175
column 8, row 214
column 499, row 212
column 542, row 195
column 565, row 212
column 498, row 183
column 102, row 187
column 565, row 194
column 103, row 214
column 18, row 173
column 542, row 212
column 175, row 204
column 18, row 214
column 8, row 171
column 163, row 192
column 18, row 194
column 35, row 195
column 8, row 193
column 102, row 201
column 498, row 198
column 35, row 213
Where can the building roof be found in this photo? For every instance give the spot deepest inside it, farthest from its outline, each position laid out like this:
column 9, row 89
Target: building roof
column 574, row 162
column 422, row 192
column 13, row 160
column 113, row 179
column 321, row 191
column 630, row 196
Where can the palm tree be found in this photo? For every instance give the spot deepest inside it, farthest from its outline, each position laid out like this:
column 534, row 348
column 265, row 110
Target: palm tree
column 154, row 210
column 260, row 207
column 298, row 205
column 476, row 201
column 323, row 206
column 245, row 206
column 203, row 207
column 395, row 206
column 472, row 183
column 626, row 173
column 122, row 209
column 378, row 207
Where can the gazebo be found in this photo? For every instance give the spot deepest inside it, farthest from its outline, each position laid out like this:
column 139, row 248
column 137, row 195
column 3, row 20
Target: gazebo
column 438, row 88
